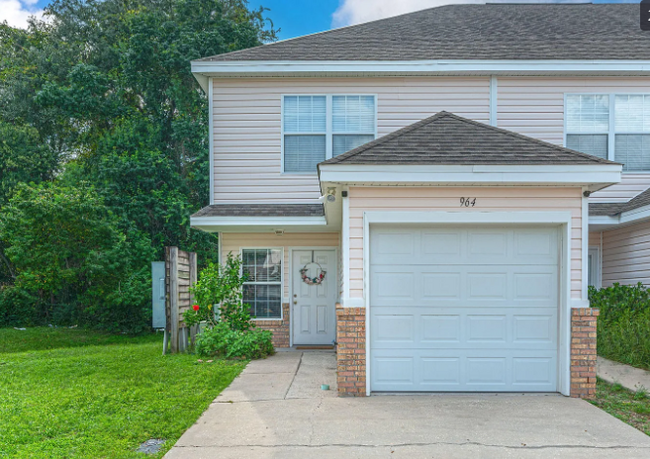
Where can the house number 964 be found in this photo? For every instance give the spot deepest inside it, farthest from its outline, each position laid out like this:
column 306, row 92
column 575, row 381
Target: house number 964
column 467, row 202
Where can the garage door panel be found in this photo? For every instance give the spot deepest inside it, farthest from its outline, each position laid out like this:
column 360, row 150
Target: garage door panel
column 487, row 244
column 441, row 285
column 463, row 309
column 395, row 371
column 535, row 329
column 533, row 371
column 440, row 243
column 394, row 285
column 441, row 370
column 444, row 329
column 485, row 286
column 486, row 373
column 486, row 328
column 394, row 328
column 535, row 246
column 467, row 328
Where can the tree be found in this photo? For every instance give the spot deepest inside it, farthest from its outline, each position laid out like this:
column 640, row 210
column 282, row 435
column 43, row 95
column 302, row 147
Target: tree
column 103, row 96
column 23, row 159
column 67, row 249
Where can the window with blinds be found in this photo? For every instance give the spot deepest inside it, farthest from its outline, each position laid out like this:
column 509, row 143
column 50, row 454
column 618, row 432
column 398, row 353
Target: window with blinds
column 316, row 128
column 262, row 290
column 353, row 122
column 632, row 132
column 610, row 126
column 305, row 130
column 587, row 124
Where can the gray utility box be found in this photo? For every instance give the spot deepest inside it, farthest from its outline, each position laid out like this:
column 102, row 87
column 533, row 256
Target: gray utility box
column 158, row 294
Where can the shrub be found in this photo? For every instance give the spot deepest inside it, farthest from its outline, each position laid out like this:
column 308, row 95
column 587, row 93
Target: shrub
column 220, row 286
column 229, row 333
column 221, row 340
column 20, row 308
column 624, row 323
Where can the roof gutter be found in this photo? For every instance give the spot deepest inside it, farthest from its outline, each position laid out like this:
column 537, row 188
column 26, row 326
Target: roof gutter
column 256, row 224
column 204, row 69
column 592, row 177
column 624, row 218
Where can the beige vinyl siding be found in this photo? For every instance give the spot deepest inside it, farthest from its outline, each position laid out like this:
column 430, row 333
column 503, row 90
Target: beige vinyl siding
column 247, row 125
column 488, row 199
column 234, row 242
column 534, row 106
column 594, row 239
column 626, row 255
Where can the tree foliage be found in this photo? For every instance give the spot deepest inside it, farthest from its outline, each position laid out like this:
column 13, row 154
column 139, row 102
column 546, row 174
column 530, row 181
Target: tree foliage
column 99, row 100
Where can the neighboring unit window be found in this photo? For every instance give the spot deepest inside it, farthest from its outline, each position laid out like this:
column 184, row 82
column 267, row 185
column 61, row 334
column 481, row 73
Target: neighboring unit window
column 632, row 125
column 587, row 124
column 263, row 289
column 611, row 126
column 316, row 128
column 593, row 267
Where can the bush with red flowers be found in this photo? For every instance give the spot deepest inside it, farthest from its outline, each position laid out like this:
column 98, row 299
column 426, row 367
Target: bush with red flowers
column 229, row 330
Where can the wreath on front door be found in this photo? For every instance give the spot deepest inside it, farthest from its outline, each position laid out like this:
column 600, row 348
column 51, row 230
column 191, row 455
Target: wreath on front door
column 312, row 280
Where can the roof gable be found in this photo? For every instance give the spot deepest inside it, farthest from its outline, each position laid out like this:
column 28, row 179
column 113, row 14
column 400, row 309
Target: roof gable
column 474, row 32
column 448, row 139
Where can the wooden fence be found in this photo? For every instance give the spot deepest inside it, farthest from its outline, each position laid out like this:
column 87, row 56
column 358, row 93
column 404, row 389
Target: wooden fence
column 180, row 274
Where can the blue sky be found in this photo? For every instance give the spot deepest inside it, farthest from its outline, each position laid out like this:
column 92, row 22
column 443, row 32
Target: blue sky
column 298, row 17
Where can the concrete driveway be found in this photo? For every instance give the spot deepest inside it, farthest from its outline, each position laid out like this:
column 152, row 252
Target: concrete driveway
column 276, row 409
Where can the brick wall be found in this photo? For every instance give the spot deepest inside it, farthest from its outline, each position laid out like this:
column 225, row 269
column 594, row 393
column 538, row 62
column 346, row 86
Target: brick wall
column 279, row 328
column 583, row 352
column 351, row 351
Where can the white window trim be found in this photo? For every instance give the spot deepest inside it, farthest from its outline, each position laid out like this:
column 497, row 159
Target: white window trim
column 611, row 133
column 281, row 249
column 328, row 127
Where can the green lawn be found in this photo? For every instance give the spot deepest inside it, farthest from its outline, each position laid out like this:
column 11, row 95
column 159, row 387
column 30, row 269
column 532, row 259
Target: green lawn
column 629, row 407
column 70, row 393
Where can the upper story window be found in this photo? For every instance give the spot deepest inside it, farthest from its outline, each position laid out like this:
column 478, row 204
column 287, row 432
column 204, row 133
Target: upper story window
column 611, row 126
column 316, row 128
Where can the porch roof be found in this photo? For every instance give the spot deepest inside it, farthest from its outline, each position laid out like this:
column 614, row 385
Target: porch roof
column 449, row 139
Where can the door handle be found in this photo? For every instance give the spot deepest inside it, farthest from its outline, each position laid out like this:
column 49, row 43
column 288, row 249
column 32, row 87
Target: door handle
column 295, row 302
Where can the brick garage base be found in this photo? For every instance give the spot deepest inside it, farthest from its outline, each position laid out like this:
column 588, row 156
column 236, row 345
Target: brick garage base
column 279, row 328
column 351, row 351
column 583, row 352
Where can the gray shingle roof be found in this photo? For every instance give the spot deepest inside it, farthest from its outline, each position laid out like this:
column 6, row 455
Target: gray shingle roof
column 446, row 138
column 261, row 210
column 611, row 209
column 491, row 32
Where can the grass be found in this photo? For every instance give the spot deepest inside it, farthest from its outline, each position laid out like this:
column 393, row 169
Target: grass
column 70, row 393
column 632, row 408
column 42, row 338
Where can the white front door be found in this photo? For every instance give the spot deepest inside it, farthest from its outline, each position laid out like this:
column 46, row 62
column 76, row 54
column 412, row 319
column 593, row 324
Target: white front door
column 463, row 309
column 313, row 306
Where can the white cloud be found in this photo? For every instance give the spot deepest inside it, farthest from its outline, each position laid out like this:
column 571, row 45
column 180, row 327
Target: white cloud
column 356, row 11
column 16, row 12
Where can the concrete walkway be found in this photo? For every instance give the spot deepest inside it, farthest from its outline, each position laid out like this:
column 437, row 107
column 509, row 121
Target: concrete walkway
column 276, row 409
column 629, row 377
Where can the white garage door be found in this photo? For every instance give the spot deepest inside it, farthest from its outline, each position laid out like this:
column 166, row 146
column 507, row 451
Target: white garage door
column 463, row 309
